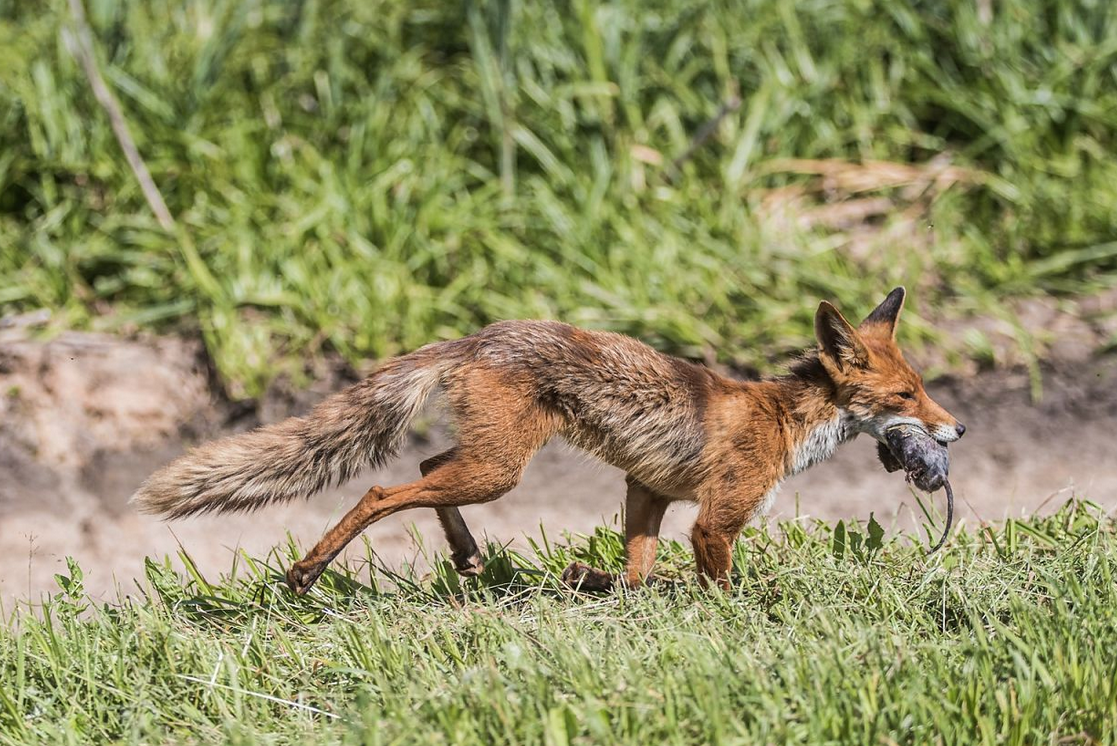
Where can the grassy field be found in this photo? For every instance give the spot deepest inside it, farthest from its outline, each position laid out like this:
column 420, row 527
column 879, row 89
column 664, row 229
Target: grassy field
column 363, row 177
column 828, row 636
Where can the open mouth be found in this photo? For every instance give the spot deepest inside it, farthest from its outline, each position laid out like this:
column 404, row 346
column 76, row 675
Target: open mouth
column 922, row 431
column 927, row 433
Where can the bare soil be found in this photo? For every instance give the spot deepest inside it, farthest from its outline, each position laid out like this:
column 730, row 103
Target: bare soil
column 85, row 418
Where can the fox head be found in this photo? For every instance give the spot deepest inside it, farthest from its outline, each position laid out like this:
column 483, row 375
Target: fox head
column 873, row 382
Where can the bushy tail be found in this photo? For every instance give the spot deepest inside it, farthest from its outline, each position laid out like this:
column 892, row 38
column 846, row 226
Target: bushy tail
column 358, row 427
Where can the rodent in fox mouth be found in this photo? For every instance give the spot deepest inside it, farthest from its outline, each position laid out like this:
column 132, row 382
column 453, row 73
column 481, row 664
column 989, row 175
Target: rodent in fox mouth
column 924, row 459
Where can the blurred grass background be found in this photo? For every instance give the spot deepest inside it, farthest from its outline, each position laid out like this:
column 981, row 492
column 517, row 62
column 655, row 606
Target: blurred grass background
column 365, row 177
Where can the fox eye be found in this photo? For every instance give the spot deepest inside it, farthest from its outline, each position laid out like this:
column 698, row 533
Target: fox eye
column 907, row 395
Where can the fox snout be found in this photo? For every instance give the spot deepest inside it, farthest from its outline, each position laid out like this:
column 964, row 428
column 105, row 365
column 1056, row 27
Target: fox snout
column 947, row 433
column 939, row 423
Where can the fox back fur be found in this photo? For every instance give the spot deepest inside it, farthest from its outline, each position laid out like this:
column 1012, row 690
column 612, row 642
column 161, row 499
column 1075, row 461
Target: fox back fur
column 679, row 431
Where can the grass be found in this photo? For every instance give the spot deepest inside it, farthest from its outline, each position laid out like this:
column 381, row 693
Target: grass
column 828, row 636
column 364, row 177
column 360, row 178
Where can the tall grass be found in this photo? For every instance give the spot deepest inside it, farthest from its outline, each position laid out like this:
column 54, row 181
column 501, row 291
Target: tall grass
column 367, row 176
column 1006, row 637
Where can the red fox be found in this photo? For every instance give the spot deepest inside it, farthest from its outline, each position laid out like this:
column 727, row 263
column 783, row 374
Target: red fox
column 679, row 431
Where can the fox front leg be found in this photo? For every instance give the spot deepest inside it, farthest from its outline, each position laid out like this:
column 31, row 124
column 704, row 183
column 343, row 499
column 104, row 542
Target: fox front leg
column 722, row 515
column 643, row 514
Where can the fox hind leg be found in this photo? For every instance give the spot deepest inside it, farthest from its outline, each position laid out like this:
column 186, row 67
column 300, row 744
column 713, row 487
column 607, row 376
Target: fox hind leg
column 463, row 547
column 501, row 428
column 461, row 481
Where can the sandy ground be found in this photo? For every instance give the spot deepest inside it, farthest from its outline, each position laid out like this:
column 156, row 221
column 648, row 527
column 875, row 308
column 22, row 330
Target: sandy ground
column 84, row 418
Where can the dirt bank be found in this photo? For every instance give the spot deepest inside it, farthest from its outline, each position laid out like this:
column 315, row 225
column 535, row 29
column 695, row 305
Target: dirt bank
column 84, row 418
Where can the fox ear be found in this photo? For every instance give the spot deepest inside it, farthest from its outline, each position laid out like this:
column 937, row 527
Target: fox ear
column 887, row 314
column 839, row 344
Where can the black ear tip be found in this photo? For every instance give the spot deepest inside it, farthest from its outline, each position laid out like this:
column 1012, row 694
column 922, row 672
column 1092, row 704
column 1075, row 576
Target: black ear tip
column 889, row 309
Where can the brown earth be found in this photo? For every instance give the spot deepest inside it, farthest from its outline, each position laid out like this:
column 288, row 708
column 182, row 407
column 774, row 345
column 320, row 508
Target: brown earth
column 85, row 418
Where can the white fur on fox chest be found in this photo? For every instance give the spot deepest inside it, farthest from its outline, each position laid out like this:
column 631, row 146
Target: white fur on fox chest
column 820, row 443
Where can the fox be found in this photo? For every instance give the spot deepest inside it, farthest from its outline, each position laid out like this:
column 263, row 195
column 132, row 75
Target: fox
column 679, row 430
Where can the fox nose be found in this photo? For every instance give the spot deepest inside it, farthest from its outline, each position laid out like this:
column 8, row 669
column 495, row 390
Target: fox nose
column 960, row 429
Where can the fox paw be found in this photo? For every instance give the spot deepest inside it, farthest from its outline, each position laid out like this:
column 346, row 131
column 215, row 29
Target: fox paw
column 301, row 577
column 469, row 567
column 582, row 577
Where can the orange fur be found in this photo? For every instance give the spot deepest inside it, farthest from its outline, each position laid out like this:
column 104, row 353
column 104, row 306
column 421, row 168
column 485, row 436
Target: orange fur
column 680, row 431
